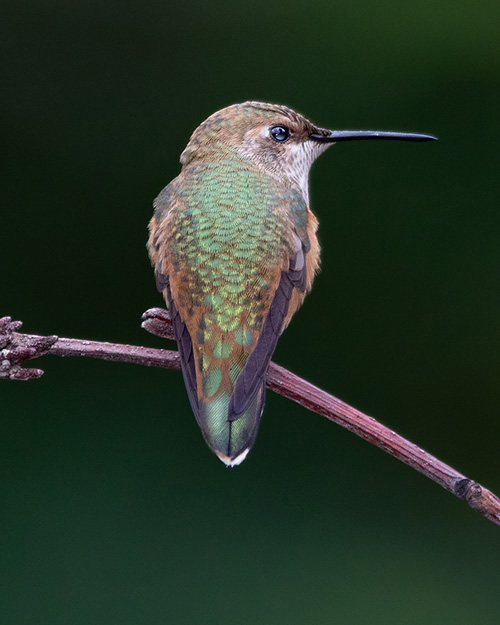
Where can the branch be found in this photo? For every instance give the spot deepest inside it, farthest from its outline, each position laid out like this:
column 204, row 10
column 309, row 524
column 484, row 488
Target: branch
column 17, row 348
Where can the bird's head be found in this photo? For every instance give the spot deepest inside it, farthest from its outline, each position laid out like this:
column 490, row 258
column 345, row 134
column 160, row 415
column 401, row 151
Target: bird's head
column 277, row 139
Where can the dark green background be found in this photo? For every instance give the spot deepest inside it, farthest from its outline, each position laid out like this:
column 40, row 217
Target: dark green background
column 112, row 508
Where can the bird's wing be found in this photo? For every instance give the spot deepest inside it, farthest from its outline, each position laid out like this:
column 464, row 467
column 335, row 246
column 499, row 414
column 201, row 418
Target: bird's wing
column 253, row 374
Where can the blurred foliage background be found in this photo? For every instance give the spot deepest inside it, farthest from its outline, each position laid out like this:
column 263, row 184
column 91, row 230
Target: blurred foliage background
column 112, row 508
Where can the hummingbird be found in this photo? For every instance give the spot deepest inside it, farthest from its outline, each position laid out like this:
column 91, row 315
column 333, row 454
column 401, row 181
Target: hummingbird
column 234, row 248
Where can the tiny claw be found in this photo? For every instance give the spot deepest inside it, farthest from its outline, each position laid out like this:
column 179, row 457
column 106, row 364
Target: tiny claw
column 157, row 321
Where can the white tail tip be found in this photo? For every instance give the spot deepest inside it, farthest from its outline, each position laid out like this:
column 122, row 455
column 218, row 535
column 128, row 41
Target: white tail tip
column 232, row 462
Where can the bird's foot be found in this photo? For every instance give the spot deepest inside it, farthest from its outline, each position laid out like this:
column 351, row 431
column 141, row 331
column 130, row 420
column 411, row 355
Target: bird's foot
column 158, row 321
column 16, row 348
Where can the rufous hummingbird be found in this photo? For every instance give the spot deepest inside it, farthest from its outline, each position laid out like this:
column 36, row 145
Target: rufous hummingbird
column 234, row 247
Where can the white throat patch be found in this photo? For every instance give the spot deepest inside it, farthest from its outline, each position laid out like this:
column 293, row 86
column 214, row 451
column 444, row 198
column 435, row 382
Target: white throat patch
column 298, row 161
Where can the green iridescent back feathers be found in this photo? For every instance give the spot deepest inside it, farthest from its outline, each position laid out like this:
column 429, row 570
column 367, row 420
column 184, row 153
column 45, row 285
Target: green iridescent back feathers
column 227, row 240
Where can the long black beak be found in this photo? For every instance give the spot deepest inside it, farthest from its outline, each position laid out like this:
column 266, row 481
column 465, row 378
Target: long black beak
column 332, row 136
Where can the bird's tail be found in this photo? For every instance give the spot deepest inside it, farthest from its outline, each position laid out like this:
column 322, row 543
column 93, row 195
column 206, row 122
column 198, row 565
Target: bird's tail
column 230, row 438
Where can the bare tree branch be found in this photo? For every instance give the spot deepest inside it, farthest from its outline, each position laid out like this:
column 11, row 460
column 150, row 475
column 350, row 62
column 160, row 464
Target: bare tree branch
column 17, row 348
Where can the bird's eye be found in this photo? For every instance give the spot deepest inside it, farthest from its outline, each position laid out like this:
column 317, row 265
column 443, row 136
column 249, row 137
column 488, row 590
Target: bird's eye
column 280, row 133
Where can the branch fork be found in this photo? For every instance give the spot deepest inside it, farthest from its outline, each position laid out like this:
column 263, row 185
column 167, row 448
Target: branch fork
column 15, row 349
